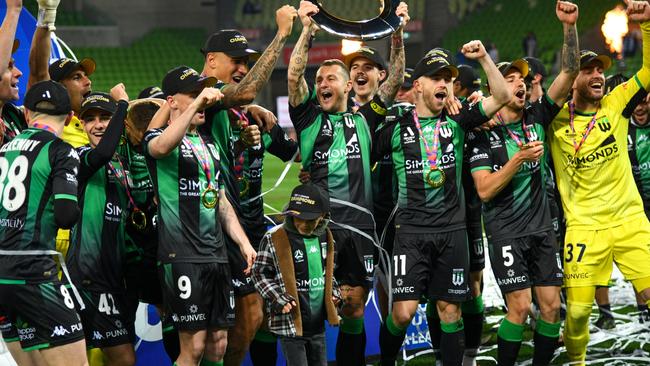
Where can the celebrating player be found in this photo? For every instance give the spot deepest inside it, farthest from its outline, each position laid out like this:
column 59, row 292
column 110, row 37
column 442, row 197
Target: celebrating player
column 604, row 212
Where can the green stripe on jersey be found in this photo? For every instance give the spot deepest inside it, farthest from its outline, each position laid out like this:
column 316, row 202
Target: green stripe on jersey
column 316, row 275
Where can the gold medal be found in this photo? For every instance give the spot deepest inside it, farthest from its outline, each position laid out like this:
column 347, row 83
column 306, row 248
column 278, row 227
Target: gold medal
column 433, row 182
column 245, row 187
column 139, row 219
column 209, row 197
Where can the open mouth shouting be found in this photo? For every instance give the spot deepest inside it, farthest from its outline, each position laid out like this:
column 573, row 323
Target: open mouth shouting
column 326, row 95
column 237, row 78
column 521, row 94
column 596, row 85
column 440, row 95
column 361, row 80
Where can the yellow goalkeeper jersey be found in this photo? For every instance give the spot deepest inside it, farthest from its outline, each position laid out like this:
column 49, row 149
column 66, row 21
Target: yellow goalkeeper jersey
column 74, row 133
column 596, row 183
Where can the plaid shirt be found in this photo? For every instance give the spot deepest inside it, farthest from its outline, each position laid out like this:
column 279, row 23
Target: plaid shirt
column 268, row 281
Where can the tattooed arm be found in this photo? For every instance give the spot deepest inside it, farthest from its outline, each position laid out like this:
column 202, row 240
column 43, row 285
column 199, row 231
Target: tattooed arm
column 567, row 13
column 244, row 93
column 298, row 88
column 390, row 87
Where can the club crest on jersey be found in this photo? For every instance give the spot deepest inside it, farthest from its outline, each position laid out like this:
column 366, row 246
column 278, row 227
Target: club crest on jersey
column 458, row 276
column 604, row 125
column 446, row 131
column 369, row 263
column 532, row 133
column 349, row 121
column 214, row 151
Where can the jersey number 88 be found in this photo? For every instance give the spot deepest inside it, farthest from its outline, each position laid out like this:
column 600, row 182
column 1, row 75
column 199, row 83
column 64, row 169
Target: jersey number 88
column 13, row 193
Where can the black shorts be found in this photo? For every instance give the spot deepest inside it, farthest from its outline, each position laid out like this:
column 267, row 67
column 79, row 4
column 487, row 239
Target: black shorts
column 532, row 260
column 145, row 272
column 242, row 283
column 354, row 258
column 39, row 315
column 106, row 319
column 199, row 296
column 476, row 248
column 432, row 264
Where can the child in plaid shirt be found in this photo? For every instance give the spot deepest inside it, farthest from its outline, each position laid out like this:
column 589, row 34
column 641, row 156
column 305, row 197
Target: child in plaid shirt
column 294, row 273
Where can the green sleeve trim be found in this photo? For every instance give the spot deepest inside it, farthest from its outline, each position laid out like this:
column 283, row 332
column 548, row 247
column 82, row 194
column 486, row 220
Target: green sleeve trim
column 480, row 168
column 638, row 82
column 64, row 196
column 36, row 347
column 480, row 108
column 7, row 281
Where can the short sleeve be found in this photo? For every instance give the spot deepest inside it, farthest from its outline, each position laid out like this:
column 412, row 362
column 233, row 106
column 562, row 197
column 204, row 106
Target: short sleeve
column 304, row 114
column 148, row 136
column 471, row 116
column 281, row 145
column 543, row 110
column 480, row 156
column 65, row 168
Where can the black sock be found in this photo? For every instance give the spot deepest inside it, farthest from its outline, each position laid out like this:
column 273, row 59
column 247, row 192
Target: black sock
column 507, row 353
column 263, row 353
column 642, row 307
column 605, row 310
column 350, row 349
column 433, row 321
column 390, row 343
column 453, row 347
column 473, row 330
column 544, row 349
column 172, row 343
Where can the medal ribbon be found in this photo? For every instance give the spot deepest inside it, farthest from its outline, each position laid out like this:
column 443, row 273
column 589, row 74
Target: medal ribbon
column 41, row 126
column 120, row 175
column 514, row 135
column 585, row 133
column 202, row 156
column 238, row 169
column 432, row 153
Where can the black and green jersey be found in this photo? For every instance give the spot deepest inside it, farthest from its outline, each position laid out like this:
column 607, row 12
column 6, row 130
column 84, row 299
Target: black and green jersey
column 521, row 208
column 36, row 168
column 13, row 122
column 335, row 150
column 638, row 147
column 187, row 230
column 217, row 127
column 248, row 168
column 140, row 185
column 472, row 200
column 309, row 255
column 420, row 206
column 97, row 246
column 384, row 185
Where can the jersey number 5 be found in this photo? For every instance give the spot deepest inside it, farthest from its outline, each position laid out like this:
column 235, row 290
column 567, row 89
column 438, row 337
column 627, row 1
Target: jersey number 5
column 13, row 193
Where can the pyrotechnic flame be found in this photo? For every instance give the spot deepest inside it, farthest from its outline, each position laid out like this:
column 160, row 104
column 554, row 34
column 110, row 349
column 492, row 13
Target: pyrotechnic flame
column 615, row 28
column 348, row 46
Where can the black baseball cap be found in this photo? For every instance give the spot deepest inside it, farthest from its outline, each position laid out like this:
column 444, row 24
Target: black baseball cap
column 586, row 57
column 308, row 202
column 408, row 78
column 229, row 41
column 151, row 92
column 49, row 97
column 521, row 65
column 468, row 78
column 434, row 61
column 365, row 52
column 535, row 66
column 98, row 100
column 63, row 67
column 184, row 79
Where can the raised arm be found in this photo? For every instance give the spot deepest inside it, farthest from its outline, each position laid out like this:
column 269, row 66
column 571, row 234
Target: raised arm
column 39, row 53
column 390, row 87
column 298, row 88
column 160, row 146
column 567, row 13
column 236, row 95
column 8, row 32
column 501, row 93
column 639, row 11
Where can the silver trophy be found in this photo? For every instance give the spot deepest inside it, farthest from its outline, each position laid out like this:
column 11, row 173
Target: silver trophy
column 364, row 30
